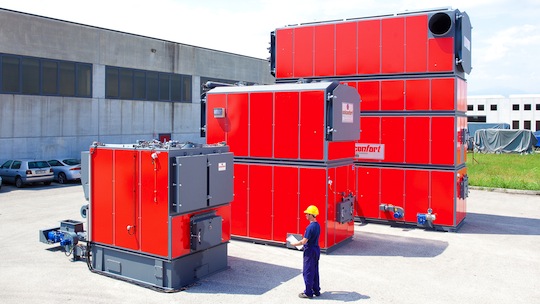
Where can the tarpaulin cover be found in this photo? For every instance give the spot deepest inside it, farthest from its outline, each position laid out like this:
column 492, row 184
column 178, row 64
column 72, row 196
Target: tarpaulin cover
column 472, row 127
column 537, row 135
column 506, row 141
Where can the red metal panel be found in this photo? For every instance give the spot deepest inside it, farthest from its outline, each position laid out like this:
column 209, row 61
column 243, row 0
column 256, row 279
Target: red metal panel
column 392, row 95
column 416, row 194
column 392, row 190
column 443, row 147
column 239, row 205
column 393, row 45
column 154, row 190
column 286, row 125
column 443, row 94
column 416, row 44
column 237, row 113
column 286, row 213
column 126, row 202
column 342, row 186
column 303, row 52
column 324, row 50
column 313, row 185
column 180, row 237
column 225, row 213
column 371, row 132
column 312, row 132
column 369, row 47
column 462, row 94
column 370, row 95
column 417, row 140
column 346, row 48
column 340, row 150
column 392, row 136
column 260, row 202
column 462, row 147
column 441, row 54
column 101, row 173
column 260, row 124
column 215, row 127
column 443, row 189
column 417, row 94
column 368, row 189
column 284, row 53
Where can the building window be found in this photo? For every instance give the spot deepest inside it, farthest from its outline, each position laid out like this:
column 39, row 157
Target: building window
column 515, row 124
column 538, row 125
column 10, row 74
column 515, row 107
column 470, row 107
column 146, row 85
column 480, row 107
column 527, row 107
column 39, row 76
column 493, row 107
column 527, row 125
column 538, row 107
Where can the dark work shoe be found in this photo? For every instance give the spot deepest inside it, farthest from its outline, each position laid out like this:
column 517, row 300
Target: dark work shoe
column 317, row 294
column 304, row 296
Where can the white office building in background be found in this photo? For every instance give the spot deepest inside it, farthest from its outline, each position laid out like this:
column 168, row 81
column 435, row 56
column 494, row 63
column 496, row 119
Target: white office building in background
column 519, row 111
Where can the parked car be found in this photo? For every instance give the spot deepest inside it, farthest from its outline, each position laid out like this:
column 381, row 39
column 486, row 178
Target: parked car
column 22, row 172
column 65, row 170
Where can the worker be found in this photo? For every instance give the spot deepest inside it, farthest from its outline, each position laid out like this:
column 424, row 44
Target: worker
column 312, row 253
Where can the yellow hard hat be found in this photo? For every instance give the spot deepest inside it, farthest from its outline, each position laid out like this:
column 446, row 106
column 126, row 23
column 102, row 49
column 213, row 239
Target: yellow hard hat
column 312, row 210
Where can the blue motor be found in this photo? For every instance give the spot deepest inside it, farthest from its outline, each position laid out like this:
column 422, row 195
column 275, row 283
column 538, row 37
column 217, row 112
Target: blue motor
column 54, row 236
column 65, row 238
column 398, row 214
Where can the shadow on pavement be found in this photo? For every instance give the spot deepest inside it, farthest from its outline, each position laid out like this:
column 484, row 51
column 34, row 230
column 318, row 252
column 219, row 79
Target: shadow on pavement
column 478, row 223
column 343, row 296
column 373, row 244
column 245, row 277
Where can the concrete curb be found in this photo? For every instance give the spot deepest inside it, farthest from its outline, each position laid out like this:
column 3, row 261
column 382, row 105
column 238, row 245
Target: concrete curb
column 503, row 190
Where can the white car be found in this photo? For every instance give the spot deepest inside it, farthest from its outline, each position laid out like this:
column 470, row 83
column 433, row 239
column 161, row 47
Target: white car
column 65, row 170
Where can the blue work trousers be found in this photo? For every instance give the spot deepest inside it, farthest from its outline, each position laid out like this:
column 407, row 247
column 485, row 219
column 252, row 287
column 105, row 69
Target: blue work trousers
column 311, row 270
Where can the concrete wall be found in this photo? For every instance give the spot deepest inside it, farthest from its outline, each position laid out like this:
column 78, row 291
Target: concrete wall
column 45, row 127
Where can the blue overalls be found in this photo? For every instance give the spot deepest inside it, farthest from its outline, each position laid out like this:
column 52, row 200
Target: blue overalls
column 312, row 252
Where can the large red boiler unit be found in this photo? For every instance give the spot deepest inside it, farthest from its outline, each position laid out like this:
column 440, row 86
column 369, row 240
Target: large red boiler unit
column 293, row 146
column 158, row 213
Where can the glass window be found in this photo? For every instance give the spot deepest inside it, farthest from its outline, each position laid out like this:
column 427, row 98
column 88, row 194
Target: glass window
column 139, row 85
column 515, row 124
column 152, row 86
column 164, row 86
column 538, row 107
column 49, row 74
column 515, row 107
column 67, row 78
column 84, row 80
column 186, row 88
column 111, row 83
column 538, row 125
column 527, row 107
column 470, row 107
column 480, row 107
column 527, row 125
column 30, row 75
column 10, row 74
column 126, row 84
column 6, row 164
column 176, row 87
column 494, row 107
column 16, row 164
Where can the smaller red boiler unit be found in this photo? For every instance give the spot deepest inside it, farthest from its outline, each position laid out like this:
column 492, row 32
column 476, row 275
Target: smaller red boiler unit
column 158, row 213
column 293, row 146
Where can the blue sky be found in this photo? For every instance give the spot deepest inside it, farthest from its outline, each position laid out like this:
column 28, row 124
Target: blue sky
column 505, row 36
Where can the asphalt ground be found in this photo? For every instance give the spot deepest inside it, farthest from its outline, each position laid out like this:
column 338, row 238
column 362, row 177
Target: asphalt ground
column 493, row 258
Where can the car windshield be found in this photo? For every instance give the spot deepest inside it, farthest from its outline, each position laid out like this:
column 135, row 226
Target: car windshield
column 38, row 164
column 71, row 162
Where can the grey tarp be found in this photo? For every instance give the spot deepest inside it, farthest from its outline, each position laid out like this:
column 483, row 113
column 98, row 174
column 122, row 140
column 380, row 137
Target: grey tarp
column 472, row 127
column 507, row 141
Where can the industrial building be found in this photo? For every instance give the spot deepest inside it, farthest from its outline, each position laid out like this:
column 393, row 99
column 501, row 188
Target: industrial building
column 519, row 111
column 64, row 85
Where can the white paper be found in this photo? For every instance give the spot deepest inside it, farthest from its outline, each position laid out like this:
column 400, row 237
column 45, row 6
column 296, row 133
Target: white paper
column 292, row 239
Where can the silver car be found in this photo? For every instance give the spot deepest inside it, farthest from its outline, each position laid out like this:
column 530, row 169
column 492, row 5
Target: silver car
column 22, row 172
column 65, row 170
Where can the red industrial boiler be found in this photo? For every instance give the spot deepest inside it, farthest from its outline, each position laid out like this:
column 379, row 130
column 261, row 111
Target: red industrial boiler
column 293, row 146
column 159, row 213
